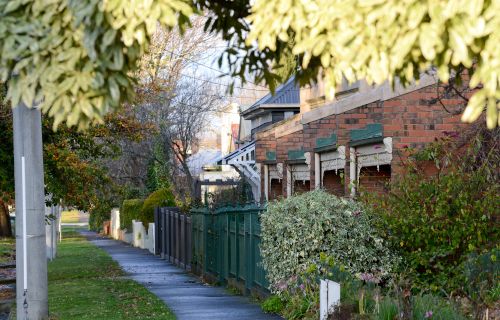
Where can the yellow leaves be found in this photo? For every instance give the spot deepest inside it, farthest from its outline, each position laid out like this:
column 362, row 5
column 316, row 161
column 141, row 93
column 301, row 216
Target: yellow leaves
column 74, row 62
column 475, row 107
column 380, row 40
column 474, row 8
column 460, row 50
column 492, row 111
column 429, row 40
column 12, row 6
column 416, row 13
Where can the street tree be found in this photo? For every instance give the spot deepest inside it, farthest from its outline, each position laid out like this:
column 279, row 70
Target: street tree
column 76, row 57
column 146, row 165
column 185, row 118
column 73, row 161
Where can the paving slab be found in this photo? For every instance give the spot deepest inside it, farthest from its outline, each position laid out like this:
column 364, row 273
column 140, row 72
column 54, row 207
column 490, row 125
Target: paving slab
column 183, row 293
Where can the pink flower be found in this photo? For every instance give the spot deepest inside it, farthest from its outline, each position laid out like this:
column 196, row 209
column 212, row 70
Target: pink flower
column 282, row 285
column 428, row 314
column 368, row 277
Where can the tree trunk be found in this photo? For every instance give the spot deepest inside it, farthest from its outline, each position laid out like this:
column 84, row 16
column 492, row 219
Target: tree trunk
column 5, row 226
column 189, row 178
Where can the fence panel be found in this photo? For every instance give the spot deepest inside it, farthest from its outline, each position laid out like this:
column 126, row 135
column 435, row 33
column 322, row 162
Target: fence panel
column 221, row 244
column 198, row 252
column 226, row 245
column 158, row 231
column 174, row 233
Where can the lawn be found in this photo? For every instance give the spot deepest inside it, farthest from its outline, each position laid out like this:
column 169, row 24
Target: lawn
column 85, row 283
column 72, row 216
column 7, row 249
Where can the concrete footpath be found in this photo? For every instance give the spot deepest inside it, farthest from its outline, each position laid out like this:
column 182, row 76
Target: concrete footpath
column 183, row 293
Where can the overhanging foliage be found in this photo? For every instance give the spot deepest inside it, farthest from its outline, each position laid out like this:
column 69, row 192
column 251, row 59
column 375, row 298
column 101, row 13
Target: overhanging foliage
column 75, row 58
column 381, row 40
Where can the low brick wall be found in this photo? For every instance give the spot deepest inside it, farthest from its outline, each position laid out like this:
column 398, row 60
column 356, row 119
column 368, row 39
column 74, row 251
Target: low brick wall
column 115, row 224
column 139, row 236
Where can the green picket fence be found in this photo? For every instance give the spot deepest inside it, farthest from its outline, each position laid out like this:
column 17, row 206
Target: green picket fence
column 226, row 245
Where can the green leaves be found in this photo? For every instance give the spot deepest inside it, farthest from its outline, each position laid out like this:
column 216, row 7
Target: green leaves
column 73, row 58
column 297, row 230
column 437, row 220
column 372, row 40
column 386, row 40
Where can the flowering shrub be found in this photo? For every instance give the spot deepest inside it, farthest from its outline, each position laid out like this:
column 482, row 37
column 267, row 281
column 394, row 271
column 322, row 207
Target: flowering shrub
column 295, row 231
column 362, row 297
column 444, row 208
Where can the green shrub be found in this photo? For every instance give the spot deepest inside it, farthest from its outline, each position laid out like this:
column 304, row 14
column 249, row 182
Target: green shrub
column 98, row 216
column 481, row 280
column 160, row 198
column 295, row 231
column 99, row 211
column 433, row 307
column 437, row 220
column 273, row 304
column 130, row 210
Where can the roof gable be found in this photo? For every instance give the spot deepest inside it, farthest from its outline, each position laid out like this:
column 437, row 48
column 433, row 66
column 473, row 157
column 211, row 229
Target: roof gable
column 287, row 93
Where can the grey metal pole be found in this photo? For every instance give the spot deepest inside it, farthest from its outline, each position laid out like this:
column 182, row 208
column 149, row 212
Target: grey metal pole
column 32, row 302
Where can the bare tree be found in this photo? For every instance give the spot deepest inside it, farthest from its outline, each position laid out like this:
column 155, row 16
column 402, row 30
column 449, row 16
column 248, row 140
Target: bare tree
column 159, row 80
column 185, row 119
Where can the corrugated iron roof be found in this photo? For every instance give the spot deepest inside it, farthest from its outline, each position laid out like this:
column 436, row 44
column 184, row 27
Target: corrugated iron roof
column 287, row 93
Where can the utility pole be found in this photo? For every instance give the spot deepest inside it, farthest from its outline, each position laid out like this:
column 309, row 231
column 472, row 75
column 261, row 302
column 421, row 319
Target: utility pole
column 31, row 260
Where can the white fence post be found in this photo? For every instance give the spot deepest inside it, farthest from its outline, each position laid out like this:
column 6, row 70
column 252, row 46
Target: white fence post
column 329, row 297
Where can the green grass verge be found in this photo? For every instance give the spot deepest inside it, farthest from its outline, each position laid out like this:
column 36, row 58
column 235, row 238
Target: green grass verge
column 72, row 216
column 7, row 249
column 85, row 283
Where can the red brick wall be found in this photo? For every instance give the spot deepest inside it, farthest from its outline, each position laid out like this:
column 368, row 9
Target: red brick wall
column 373, row 180
column 333, row 183
column 408, row 119
column 301, row 186
column 265, row 142
column 275, row 189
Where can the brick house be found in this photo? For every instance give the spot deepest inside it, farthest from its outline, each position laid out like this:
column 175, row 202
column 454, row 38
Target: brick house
column 355, row 142
column 265, row 112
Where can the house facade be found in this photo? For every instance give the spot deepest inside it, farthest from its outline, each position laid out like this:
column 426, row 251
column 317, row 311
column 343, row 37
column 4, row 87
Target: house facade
column 217, row 140
column 355, row 142
column 265, row 112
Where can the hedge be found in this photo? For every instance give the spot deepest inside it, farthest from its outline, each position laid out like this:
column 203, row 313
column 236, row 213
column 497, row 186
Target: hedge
column 160, row 198
column 296, row 230
column 130, row 210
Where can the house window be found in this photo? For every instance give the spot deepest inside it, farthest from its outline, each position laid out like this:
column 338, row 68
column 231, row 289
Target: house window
column 275, row 189
column 301, row 186
column 275, row 181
